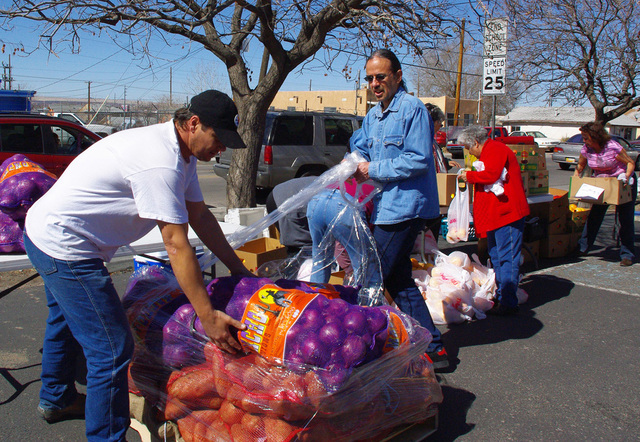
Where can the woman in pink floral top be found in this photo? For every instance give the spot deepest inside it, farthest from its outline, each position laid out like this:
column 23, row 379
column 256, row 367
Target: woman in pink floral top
column 607, row 158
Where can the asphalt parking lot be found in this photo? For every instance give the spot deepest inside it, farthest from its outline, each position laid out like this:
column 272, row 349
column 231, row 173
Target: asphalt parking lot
column 565, row 368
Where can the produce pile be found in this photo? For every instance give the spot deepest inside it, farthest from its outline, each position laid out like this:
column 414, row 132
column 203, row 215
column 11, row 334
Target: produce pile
column 457, row 288
column 315, row 367
column 22, row 183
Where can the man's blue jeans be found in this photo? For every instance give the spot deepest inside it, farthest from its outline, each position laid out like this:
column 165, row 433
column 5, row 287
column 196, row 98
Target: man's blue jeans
column 395, row 243
column 329, row 213
column 505, row 250
column 625, row 216
column 85, row 314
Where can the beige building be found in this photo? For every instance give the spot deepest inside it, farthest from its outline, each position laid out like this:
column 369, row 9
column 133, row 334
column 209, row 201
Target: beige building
column 358, row 102
column 467, row 116
column 346, row 102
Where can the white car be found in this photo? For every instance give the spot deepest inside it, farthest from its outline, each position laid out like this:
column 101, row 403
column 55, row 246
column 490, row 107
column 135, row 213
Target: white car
column 541, row 139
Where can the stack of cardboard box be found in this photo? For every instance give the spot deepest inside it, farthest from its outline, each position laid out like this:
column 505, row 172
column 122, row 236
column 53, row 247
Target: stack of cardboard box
column 563, row 223
column 533, row 167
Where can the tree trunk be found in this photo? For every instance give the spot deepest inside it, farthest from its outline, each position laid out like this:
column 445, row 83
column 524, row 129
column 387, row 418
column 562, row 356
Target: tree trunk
column 241, row 181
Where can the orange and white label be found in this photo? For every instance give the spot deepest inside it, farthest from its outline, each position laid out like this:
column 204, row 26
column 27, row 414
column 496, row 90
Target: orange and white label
column 271, row 312
column 18, row 167
column 397, row 333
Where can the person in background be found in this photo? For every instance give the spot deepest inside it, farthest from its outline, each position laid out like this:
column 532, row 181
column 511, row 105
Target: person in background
column 607, row 158
column 111, row 195
column 498, row 218
column 442, row 163
column 396, row 139
column 294, row 226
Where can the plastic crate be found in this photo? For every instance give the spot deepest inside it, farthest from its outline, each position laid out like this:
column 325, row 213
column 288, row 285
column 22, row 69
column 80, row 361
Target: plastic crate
column 444, row 228
column 142, row 261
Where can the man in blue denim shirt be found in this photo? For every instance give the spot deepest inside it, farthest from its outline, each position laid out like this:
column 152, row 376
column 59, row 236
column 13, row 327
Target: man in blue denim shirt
column 396, row 139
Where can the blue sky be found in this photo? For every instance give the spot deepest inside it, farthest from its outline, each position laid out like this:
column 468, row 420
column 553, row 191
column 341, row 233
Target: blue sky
column 117, row 75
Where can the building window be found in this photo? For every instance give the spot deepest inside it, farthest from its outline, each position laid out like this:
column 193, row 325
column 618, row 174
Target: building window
column 515, row 128
column 450, row 119
column 468, row 119
column 330, row 109
column 291, row 108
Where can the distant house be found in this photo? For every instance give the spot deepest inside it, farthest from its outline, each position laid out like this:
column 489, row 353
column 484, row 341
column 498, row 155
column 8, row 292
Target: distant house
column 563, row 122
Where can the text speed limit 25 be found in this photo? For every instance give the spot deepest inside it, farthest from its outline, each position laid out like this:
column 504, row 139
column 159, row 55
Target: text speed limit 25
column 494, row 76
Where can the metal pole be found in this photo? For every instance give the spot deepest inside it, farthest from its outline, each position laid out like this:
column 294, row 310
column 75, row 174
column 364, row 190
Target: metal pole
column 459, row 79
column 493, row 119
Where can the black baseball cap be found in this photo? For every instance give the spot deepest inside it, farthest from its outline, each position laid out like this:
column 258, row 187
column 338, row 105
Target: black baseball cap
column 216, row 110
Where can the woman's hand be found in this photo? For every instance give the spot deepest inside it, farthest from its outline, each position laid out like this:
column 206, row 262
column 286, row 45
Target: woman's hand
column 463, row 176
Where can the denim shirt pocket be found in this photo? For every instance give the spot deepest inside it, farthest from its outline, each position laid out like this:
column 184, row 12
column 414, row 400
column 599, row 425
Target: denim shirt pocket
column 392, row 145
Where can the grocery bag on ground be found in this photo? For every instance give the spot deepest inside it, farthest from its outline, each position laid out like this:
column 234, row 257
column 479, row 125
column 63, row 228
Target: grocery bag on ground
column 458, row 216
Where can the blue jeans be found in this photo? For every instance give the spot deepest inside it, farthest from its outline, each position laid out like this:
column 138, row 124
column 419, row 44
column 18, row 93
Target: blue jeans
column 395, row 243
column 322, row 213
column 85, row 314
column 505, row 249
column 625, row 216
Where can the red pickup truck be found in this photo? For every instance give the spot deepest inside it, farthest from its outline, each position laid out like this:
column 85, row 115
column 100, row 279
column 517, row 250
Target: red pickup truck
column 502, row 134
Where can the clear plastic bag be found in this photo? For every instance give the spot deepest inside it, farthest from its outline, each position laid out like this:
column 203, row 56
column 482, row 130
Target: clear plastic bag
column 216, row 396
column 458, row 216
column 348, row 226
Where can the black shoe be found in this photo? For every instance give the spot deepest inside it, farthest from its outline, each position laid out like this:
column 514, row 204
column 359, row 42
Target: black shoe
column 626, row 262
column 439, row 359
column 502, row 310
column 73, row 411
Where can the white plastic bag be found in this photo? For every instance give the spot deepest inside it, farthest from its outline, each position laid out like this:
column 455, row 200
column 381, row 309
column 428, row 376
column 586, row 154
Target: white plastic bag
column 458, row 217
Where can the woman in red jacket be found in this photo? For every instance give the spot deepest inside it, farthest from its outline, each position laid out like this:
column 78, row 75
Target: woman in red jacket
column 499, row 218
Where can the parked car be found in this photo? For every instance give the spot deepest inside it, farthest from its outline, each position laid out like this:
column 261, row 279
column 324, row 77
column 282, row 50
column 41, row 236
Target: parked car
column 566, row 154
column 543, row 141
column 502, row 134
column 297, row 144
column 49, row 141
column 100, row 129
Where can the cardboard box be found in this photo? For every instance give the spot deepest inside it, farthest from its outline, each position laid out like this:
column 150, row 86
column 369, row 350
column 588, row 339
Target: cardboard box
column 557, row 226
column 552, row 211
column 337, row 278
column 538, row 182
column 577, row 220
column 259, row 251
column 446, row 187
column 525, row 182
column 556, row 246
column 615, row 192
column 531, row 250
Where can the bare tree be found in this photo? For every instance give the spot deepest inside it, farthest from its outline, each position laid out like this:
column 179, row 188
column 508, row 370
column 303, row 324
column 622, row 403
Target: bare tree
column 579, row 50
column 205, row 76
column 435, row 72
column 291, row 32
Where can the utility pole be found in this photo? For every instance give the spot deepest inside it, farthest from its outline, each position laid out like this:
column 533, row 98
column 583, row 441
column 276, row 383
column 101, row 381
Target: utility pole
column 88, row 101
column 459, row 80
column 6, row 77
column 124, row 108
column 170, row 85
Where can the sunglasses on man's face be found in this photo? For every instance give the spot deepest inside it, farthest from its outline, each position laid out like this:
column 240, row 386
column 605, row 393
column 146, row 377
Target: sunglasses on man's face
column 379, row 77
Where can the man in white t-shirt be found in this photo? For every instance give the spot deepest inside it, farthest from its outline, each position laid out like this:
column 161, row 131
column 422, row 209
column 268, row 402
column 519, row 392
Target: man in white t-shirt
column 112, row 194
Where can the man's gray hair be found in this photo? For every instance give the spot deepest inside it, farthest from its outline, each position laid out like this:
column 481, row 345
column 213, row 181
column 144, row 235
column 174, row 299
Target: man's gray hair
column 471, row 134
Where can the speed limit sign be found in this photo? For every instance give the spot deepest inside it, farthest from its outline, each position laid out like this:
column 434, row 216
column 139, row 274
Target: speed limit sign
column 493, row 80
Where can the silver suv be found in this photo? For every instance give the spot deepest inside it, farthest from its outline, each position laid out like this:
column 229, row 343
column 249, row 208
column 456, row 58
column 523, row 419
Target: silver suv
column 297, row 144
